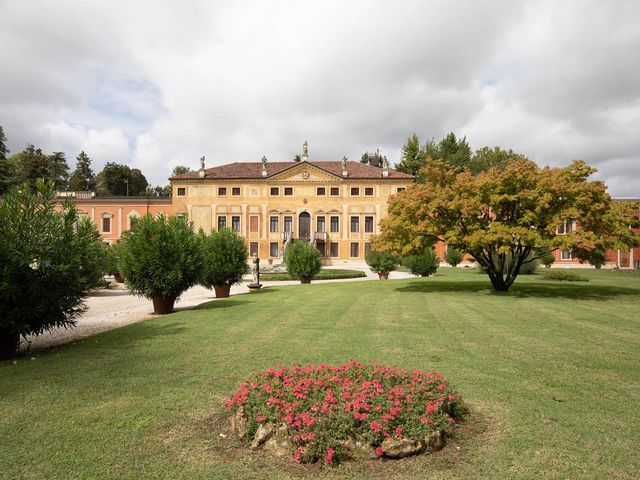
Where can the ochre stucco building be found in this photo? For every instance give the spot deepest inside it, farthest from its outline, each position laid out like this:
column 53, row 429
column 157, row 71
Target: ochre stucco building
column 336, row 205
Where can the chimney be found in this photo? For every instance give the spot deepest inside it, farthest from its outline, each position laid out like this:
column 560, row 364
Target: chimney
column 201, row 171
column 264, row 166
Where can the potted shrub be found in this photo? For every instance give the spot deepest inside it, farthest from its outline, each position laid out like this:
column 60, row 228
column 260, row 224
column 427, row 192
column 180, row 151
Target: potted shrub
column 381, row 262
column 303, row 261
column 111, row 262
column 453, row 257
column 225, row 261
column 160, row 258
column 547, row 259
column 48, row 262
column 423, row 264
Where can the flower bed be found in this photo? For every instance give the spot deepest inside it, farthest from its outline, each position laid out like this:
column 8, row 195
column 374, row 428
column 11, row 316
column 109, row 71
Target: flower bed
column 331, row 413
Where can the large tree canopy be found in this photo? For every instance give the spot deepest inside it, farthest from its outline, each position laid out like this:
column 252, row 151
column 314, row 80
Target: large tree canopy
column 506, row 215
column 116, row 180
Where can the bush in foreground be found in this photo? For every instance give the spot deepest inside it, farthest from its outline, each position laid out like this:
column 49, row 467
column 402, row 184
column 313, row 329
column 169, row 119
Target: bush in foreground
column 48, row 261
column 303, row 261
column 564, row 275
column 381, row 262
column 225, row 260
column 424, row 264
column 326, row 413
column 160, row 258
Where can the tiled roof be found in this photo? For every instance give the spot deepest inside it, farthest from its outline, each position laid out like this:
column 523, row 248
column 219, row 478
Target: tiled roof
column 242, row 170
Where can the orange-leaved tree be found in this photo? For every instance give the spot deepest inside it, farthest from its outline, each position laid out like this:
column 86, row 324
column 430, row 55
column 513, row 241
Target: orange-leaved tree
column 508, row 215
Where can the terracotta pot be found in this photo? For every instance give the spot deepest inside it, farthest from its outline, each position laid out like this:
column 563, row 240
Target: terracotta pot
column 162, row 306
column 222, row 291
column 305, row 280
column 383, row 275
column 118, row 278
column 8, row 345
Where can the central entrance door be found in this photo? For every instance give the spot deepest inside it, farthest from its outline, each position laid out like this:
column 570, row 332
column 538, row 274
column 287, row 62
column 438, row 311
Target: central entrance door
column 304, row 226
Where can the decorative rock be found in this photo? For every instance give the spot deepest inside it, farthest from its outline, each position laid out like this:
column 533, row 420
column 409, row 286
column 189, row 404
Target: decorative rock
column 400, row 448
column 279, row 444
column 434, row 441
column 239, row 423
column 359, row 448
column 264, row 432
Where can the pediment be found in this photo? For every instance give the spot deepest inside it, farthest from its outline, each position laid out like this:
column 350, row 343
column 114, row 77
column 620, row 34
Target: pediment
column 305, row 172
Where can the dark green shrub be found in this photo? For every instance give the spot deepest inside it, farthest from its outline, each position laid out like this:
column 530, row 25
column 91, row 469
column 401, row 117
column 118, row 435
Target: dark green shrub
column 160, row 257
column 225, row 258
column 547, row 259
column 110, row 259
column 302, row 260
column 564, row 275
column 453, row 257
column 424, row 264
column 48, row 261
column 324, row 274
column 381, row 262
column 598, row 258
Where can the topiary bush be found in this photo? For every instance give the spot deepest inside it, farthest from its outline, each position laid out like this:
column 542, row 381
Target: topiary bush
column 160, row 258
column 225, row 260
column 424, row 264
column 547, row 259
column 381, row 262
column 332, row 413
column 48, row 261
column 303, row 261
column 453, row 257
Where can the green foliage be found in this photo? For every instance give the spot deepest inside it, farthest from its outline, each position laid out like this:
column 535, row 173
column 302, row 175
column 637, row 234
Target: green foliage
column 324, row 274
column 564, row 275
column 179, row 170
column 48, row 261
column 119, row 180
column 302, row 260
column 6, row 170
column 412, row 157
column 30, row 165
column 547, row 258
column 59, row 170
column 598, row 258
column 423, row 264
column 160, row 257
column 381, row 261
column 82, row 179
column 225, row 258
column 373, row 159
column 453, row 257
column 111, row 258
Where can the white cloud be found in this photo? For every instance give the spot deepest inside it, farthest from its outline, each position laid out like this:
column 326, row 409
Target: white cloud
column 160, row 84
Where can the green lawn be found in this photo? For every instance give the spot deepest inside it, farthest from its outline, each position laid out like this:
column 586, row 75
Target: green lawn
column 551, row 372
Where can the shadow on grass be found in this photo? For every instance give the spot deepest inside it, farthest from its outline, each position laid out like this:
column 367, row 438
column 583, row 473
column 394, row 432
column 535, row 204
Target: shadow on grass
column 523, row 290
column 220, row 303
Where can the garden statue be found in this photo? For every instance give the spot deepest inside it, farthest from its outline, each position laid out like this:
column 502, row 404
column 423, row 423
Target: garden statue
column 305, row 149
column 255, row 269
column 202, row 162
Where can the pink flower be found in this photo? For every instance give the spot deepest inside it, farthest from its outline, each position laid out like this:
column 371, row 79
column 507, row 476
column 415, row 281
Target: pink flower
column 442, row 386
column 379, row 451
column 328, row 459
column 375, row 426
column 296, row 456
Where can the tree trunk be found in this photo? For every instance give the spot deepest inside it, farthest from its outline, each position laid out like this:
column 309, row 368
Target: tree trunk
column 162, row 306
column 222, row 291
column 8, row 344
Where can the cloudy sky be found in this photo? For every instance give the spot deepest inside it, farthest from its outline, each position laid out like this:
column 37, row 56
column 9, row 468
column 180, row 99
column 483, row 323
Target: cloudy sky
column 156, row 84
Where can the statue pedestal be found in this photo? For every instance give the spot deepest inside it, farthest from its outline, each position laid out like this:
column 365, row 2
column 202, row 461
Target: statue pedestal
column 254, row 287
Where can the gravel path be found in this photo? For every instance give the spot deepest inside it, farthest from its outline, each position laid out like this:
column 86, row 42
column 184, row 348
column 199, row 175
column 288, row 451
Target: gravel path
column 116, row 307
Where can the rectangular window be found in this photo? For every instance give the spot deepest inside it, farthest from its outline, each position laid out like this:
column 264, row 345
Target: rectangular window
column 566, row 255
column 273, row 225
column 321, row 191
column 355, row 249
column 273, row 249
column 320, row 225
column 274, row 191
column 106, row 224
column 253, row 248
column 355, row 224
column 355, row 191
column 334, row 249
column 566, row 227
column 368, row 191
column 288, row 224
column 222, row 191
column 182, row 191
column 288, row 191
column 335, row 224
column 235, row 223
column 222, row 222
column 253, row 224
column 335, row 191
column 235, row 191
column 367, row 249
column 400, row 189
column 368, row 224
column 321, row 249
